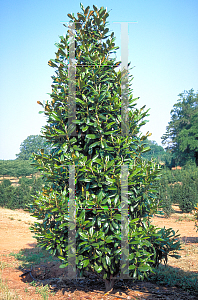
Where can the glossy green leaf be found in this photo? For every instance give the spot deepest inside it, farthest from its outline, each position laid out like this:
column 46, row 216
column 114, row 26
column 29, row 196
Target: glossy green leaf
column 108, row 260
column 91, row 231
column 91, row 136
column 93, row 145
column 85, row 263
column 146, row 149
column 115, row 225
column 83, row 235
column 87, row 180
column 143, row 268
column 85, row 128
column 63, row 266
column 98, row 268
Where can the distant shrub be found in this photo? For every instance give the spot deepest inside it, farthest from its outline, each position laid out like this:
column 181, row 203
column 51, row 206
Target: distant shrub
column 16, row 168
column 19, row 197
column 166, row 204
column 175, row 193
column 22, row 196
column 188, row 196
column 196, row 184
column 26, row 180
column 165, row 198
column 184, row 194
column 6, row 182
column 36, row 186
column 7, row 196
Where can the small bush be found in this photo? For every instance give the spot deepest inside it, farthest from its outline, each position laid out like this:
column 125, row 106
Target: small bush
column 188, row 198
column 6, row 196
column 26, row 180
column 175, row 193
column 167, row 275
column 22, row 196
column 165, row 198
column 166, row 203
column 19, row 197
column 6, row 182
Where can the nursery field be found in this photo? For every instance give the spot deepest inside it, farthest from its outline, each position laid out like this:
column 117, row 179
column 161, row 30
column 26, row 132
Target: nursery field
column 42, row 279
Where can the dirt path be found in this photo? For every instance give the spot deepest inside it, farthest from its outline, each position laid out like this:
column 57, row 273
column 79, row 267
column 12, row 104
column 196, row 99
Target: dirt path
column 14, row 230
column 15, row 235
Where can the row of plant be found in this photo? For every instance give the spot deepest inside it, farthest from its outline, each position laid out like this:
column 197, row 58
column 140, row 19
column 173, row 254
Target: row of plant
column 175, row 187
column 189, row 170
column 16, row 168
column 16, row 197
column 179, row 187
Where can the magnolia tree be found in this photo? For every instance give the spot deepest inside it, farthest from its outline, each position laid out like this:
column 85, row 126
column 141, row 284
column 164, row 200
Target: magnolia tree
column 105, row 226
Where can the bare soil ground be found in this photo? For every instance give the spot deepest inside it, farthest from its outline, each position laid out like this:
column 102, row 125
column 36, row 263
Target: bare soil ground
column 15, row 235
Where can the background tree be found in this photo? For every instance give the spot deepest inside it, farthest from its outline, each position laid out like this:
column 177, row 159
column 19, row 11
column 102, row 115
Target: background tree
column 32, row 144
column 181, row 136
column 188, row 195
column 157, row 153
column 97, row 151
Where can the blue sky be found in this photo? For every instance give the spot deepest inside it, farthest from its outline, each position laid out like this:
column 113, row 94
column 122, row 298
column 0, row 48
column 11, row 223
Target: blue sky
column 163, row 48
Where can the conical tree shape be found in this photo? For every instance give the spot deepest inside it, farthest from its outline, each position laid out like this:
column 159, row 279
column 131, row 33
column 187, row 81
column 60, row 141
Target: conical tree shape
column 97, row 151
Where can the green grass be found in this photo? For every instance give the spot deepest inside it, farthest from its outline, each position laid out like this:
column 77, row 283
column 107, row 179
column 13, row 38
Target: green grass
column 5, row 293
column 2, row 265
column 44, row 291
column 34, row 256
column 166, row 275
column 185, row 218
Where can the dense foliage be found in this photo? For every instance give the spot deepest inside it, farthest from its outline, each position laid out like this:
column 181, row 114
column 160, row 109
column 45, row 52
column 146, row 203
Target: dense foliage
column 181, row 136
column 156, row 152
column 16, row 168
column 165, row 196
column 16, row 197
column 170, row 190
column 179, row 187
column 97, row 151
column 32, row 144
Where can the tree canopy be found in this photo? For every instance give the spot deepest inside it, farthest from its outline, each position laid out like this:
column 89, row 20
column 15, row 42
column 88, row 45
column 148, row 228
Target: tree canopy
column 181, row 137
column 156, row 152
column 32, row 144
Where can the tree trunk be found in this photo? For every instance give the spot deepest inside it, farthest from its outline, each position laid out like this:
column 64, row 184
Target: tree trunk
column 109, row 284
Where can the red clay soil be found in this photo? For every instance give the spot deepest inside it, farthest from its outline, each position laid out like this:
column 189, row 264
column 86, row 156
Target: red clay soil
column 15, row 235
